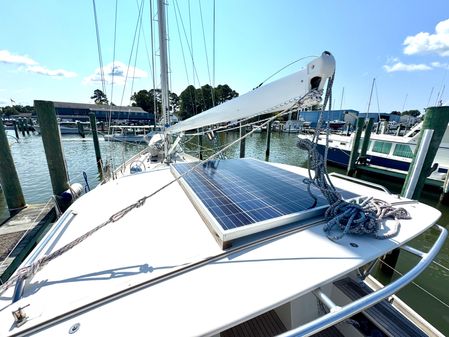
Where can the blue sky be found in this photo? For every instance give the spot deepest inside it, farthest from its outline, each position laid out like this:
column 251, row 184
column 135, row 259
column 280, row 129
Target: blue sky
column 48, row 48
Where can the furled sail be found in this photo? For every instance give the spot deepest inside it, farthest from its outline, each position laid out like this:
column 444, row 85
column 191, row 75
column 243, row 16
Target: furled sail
column 269, row 98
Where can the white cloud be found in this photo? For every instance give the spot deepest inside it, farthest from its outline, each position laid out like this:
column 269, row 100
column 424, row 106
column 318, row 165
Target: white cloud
column 7, row 57
column 392, row 59
column 440, row 65
column 27, row 64
column 399, row 66
column 425, row 43
column 37, row 69
column 119, row 70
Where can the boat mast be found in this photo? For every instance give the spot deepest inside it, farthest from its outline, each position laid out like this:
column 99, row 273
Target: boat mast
column 164, row 61
column 342, row 95
column 370, row 96
column 164, row 70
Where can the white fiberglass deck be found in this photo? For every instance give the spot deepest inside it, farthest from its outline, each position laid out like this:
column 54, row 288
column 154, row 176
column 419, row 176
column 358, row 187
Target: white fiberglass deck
column 166, row 235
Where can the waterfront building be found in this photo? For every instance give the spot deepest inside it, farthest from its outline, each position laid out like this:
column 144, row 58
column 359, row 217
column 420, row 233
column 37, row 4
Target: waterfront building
column 80, row 111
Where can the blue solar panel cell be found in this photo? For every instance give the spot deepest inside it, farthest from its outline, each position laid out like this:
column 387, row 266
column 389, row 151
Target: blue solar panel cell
column 244, row 192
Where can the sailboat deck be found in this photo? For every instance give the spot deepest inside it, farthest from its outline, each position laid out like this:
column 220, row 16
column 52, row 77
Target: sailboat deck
column 161, row 260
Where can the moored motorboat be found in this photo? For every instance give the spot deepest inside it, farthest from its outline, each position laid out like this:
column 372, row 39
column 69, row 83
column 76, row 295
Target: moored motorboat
column 129, row 133
column 385, row 151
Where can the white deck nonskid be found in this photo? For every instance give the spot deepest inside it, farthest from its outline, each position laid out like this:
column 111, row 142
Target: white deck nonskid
column 154, row 240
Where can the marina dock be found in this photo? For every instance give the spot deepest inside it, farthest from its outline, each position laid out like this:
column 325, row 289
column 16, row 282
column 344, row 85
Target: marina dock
column 20, row 233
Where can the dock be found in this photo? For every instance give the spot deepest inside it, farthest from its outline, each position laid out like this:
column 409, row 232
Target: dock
column 397, row 174
column 20, row 233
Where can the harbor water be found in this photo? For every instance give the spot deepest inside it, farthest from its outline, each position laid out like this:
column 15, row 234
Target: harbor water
column 428, row 294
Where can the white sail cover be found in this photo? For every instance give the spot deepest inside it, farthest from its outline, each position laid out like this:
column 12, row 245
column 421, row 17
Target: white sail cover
column 269, row 98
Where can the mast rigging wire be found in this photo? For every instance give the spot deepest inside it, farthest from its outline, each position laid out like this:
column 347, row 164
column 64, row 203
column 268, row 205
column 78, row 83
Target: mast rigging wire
column 430, row 96
column 377, row 98
column 277, row 72
column 191, row 43
column 135, row 62
column 100, row 57
column 113, row 57
column 213, row 48
column 132, row 49
column 192, row 96
column 152, row 62
column 205, row 51
column 182, row 47
column 416, row 284
column 187, row 41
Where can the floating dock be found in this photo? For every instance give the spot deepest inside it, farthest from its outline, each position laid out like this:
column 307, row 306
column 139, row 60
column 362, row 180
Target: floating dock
column 400, row 175
column 20, row 233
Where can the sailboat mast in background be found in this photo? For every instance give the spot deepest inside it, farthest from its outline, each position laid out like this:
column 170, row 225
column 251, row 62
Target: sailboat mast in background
column 164, row 61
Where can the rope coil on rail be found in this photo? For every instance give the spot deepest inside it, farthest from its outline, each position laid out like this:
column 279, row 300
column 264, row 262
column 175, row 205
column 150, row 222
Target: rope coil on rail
column 364, row 215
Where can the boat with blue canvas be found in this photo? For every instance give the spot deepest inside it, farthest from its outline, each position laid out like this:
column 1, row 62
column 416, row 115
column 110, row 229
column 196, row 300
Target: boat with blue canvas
column 385, row 151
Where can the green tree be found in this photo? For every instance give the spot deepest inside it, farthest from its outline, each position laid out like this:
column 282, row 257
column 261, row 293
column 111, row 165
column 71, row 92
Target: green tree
column 9, row 110
column 174, row 102
column 145, row 99
column 194, row 101
column 395, row 113
column 206, row 97
column 16, row 110
column 224, row 93
column 99, row 97
column 188, row 102
column 414, row 113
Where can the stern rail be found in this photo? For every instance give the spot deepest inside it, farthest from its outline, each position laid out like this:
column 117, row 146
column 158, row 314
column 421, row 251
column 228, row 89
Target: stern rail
column 368, row 301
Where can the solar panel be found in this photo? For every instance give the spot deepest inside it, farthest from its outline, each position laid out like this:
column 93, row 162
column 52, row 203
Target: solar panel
column 238, row 197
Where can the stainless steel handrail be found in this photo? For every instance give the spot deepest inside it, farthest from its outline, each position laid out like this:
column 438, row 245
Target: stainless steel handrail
column 367, row 301
column 65, row 220
column 359, row 181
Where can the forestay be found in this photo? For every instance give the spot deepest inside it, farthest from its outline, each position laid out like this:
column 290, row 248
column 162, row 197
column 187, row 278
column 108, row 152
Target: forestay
column 272, row 97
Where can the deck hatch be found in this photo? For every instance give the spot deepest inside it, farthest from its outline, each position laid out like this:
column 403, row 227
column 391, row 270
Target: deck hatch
column 238, row 197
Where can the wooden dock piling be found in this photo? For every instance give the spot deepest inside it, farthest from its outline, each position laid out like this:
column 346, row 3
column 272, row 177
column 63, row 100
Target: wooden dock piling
column 21, row 126
column 242, row 140
column 93, row 126
column 80, row 129
column 200, row 144
column 8, row 176
column 52, row 145
column 26, row 126
column 436, row 118
column 355, row 147
column 16, row 131
column 366, row 138
column 30, row 124
column 267, row 151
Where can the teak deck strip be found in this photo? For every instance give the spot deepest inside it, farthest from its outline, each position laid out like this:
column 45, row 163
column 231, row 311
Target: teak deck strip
column 265, row 325
column 383, row 314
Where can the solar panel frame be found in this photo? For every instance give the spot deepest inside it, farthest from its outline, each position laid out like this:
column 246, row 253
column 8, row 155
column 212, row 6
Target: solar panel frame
column 213, row 210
